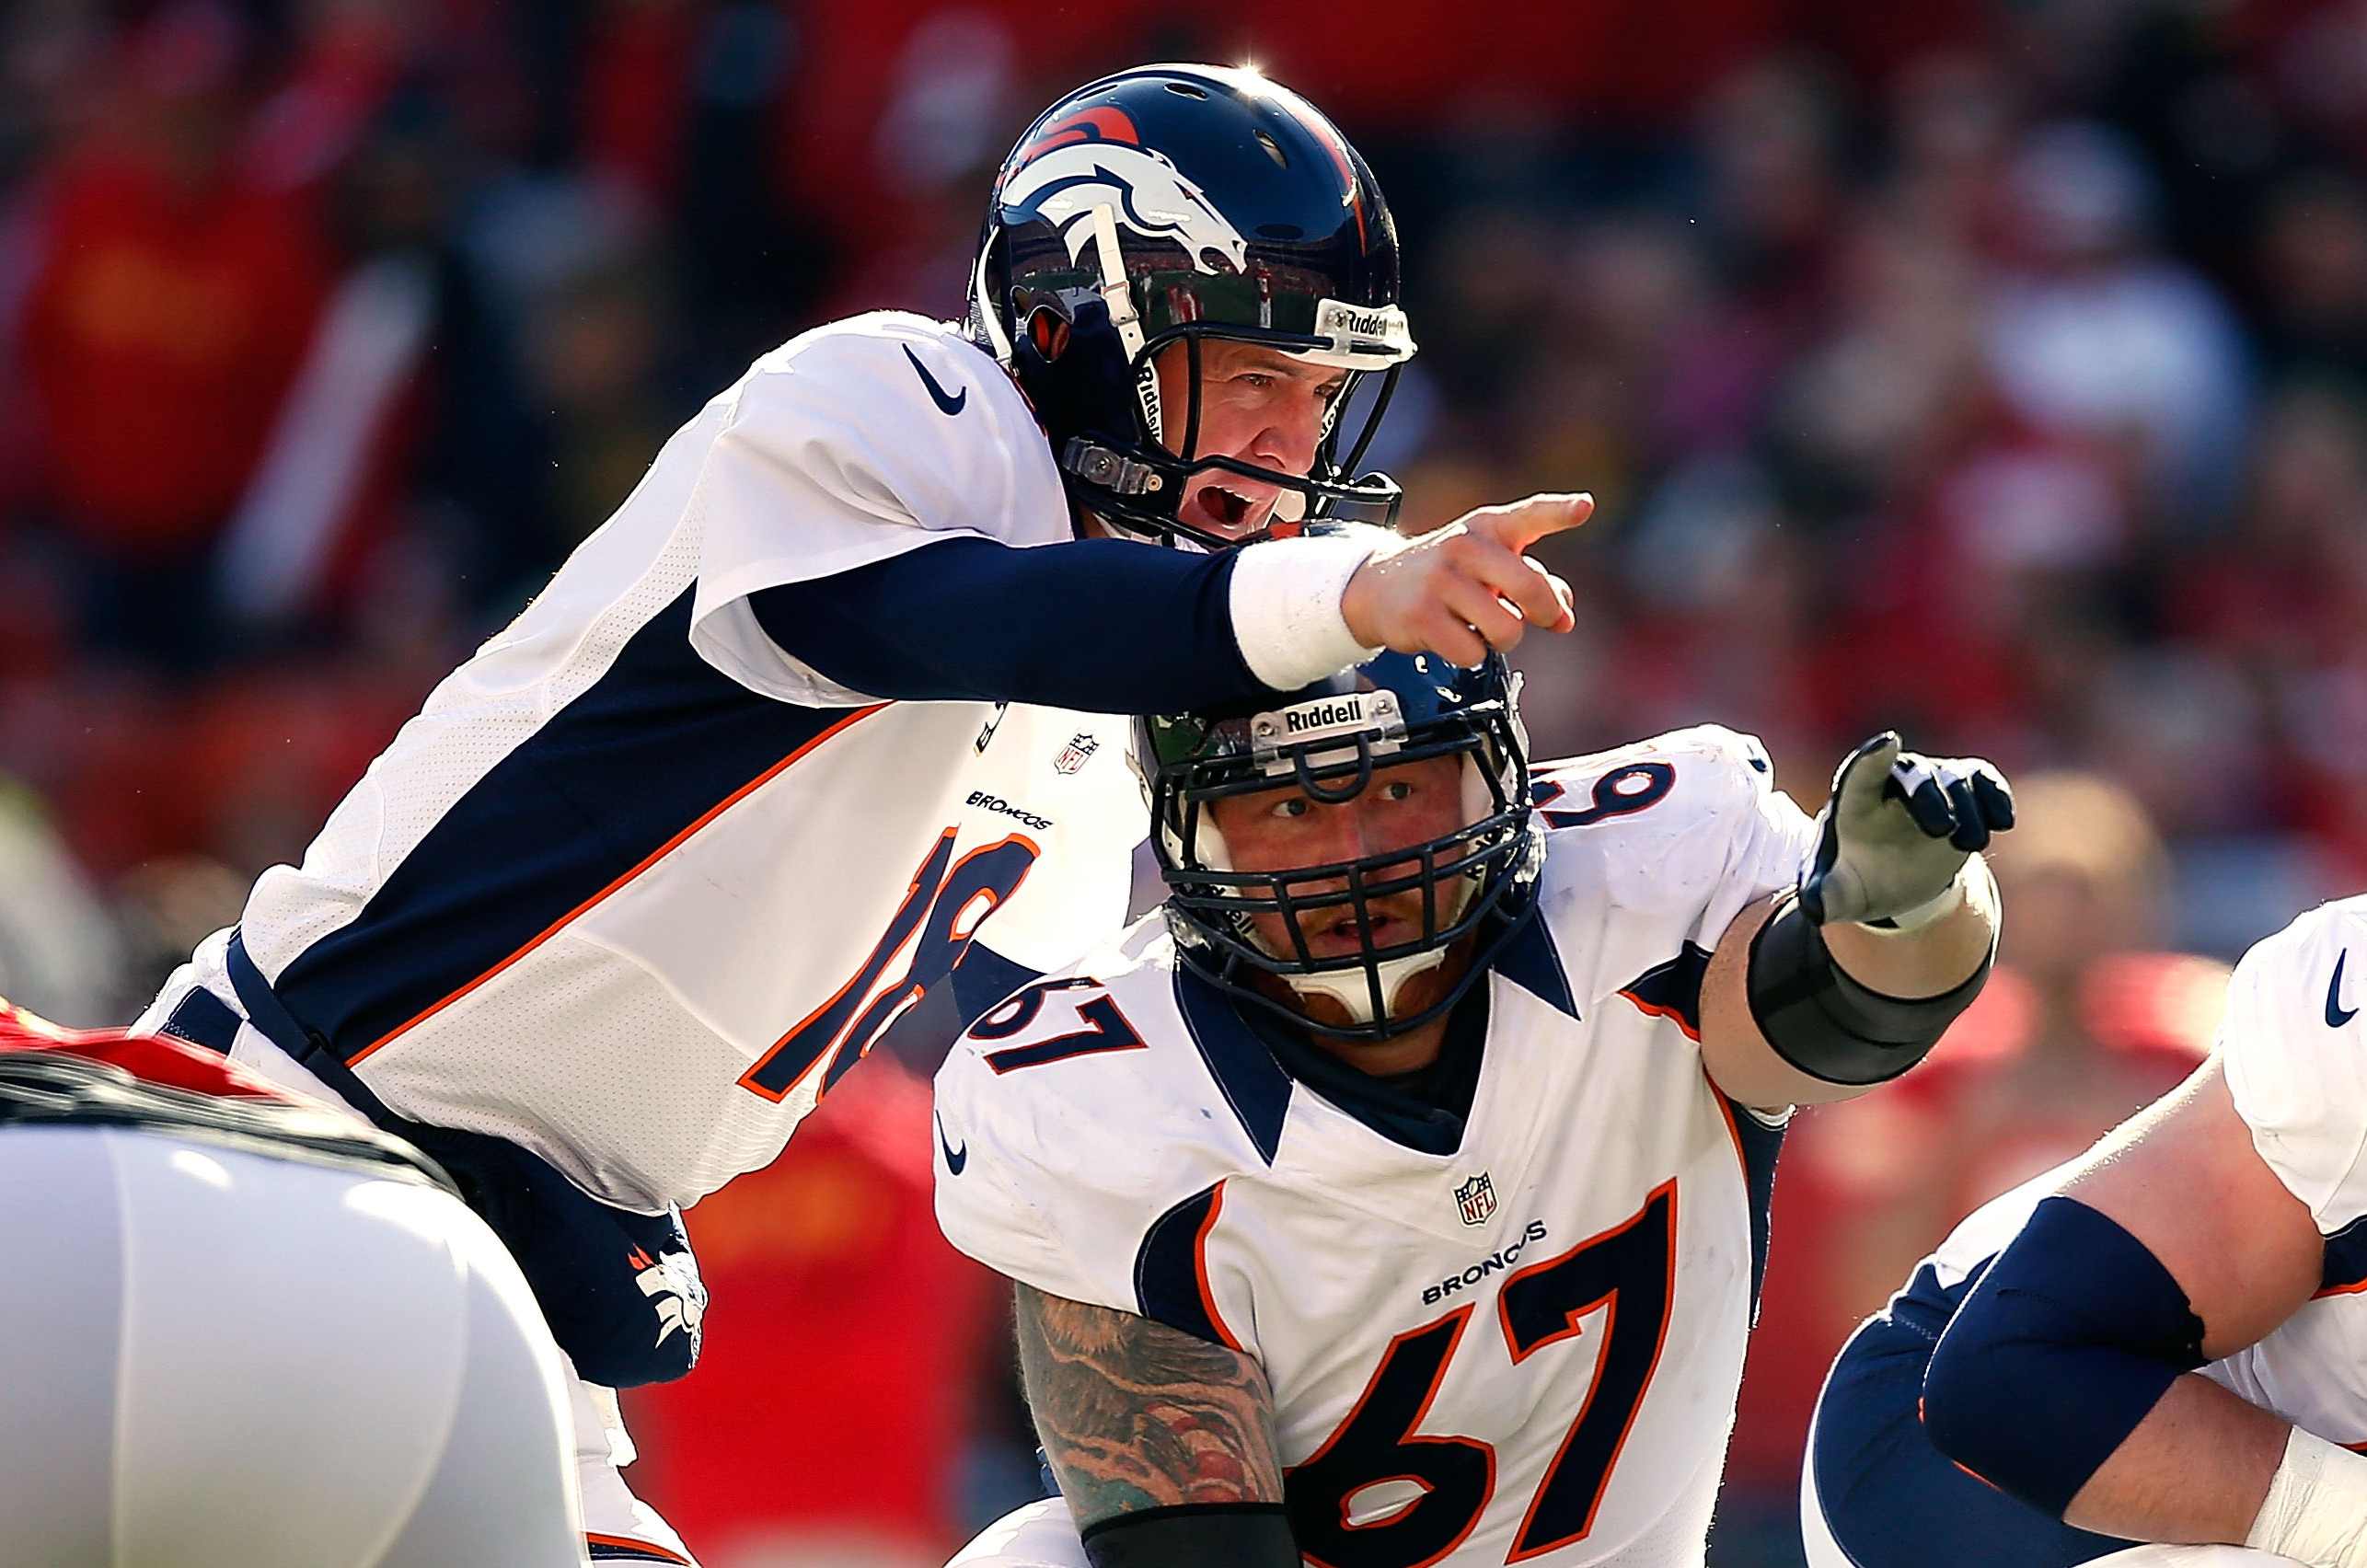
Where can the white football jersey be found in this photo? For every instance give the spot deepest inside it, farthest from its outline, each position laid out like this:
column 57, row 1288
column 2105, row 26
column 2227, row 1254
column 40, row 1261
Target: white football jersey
column 2294, row 1047
column 635, row 886
column 1527, row 1348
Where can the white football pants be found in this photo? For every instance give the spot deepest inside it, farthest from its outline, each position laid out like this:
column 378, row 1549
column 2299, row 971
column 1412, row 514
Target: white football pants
column 215, row 1359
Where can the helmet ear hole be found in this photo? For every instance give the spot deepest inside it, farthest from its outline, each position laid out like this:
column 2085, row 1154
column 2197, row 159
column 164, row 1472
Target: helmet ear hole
column 1048, row 330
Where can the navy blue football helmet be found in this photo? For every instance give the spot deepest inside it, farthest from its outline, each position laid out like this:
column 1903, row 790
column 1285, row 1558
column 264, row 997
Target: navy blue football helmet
column 1328, row 740
column 1180, row 203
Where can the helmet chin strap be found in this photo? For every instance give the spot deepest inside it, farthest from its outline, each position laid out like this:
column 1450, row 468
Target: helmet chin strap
column 1347, row 987
column 1123, row 314
column 1351, row 987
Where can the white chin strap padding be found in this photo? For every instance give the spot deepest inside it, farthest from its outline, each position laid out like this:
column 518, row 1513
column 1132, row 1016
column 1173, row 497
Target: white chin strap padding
column 1208, row 844
column 1479, row 800
column 1347, row 987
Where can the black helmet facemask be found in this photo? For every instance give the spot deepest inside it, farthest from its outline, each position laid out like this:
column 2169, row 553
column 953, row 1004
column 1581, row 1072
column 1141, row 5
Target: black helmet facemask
column 1177, row 205
column 1331, row 741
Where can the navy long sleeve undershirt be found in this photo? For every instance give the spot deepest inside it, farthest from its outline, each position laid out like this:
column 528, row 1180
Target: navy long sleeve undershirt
column 1101, row 626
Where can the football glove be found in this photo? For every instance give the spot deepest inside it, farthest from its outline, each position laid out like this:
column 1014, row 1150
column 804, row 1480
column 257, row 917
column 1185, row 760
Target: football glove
column 1896, row 831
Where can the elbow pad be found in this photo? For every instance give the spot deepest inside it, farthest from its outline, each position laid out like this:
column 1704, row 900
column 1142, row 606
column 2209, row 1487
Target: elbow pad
column 2068, row 1342
column 1827, row 1025
column 1192, row 1535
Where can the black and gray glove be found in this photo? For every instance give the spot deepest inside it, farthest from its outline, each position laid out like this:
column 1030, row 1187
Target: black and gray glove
column 1898, row 829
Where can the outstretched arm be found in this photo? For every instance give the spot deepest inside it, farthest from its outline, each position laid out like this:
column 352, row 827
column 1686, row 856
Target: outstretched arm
column 1108, row 626
column 1933, row 961
column 1819, row 992
column 1099, row 626
column 1162, row 1443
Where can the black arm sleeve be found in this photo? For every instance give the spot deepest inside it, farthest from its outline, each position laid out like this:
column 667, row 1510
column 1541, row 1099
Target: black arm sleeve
column 1102, row 626
column 1192, row 1535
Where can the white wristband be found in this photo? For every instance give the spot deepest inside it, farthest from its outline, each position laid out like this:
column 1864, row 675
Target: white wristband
column 2316, row 1508
column 1973, row 883
column 1286, row 606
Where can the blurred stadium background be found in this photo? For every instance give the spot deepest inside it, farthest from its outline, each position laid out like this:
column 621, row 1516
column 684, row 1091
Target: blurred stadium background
column 1997, row 371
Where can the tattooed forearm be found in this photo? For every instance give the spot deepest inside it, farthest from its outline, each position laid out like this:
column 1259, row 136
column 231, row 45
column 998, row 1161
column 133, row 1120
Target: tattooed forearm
column 1134, row 1414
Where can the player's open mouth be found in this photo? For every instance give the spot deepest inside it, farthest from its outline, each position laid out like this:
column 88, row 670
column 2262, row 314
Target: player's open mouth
column 1226, row 509
column 1343, row 935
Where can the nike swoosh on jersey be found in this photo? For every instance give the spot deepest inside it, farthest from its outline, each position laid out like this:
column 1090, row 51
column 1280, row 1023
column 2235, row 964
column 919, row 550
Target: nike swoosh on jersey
column 947, row 402
column 2337, row 1015
column 954, row 1158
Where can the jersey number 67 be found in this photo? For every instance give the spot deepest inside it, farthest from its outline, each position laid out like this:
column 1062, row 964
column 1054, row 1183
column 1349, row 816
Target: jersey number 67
column 1627, row 1271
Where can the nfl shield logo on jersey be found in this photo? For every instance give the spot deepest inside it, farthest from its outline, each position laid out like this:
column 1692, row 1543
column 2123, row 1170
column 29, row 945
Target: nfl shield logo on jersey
column 1073, row 755
column 1476, row 1198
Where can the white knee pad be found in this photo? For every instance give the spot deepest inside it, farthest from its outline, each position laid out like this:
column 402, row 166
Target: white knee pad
column 1041, row 1535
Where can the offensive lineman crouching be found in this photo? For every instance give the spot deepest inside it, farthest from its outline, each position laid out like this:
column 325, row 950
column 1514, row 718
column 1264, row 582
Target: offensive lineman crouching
column 2159, row 1342
column 1399, row 1198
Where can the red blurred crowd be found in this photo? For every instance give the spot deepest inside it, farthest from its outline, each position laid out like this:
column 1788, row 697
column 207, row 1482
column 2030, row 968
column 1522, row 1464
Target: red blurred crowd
column 1997, row 372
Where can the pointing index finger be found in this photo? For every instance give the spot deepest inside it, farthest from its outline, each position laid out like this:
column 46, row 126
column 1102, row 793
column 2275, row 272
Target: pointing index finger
column 1526, row 521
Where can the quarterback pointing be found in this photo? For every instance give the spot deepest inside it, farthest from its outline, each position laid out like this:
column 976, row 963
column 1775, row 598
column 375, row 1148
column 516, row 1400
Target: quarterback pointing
column 1398, row 1196
column 2164, row 1341
column 744, row 787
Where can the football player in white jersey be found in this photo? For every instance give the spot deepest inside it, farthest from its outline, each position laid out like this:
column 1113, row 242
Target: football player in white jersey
column 2164, row 1341
column 1397, row 1194
column 741, row 790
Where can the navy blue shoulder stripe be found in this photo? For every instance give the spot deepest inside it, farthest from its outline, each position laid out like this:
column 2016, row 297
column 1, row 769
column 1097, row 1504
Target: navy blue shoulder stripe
column 1529, row 961
column 1252, row 1082
column 1171, row 1271
column 655, row 744
column 1673, row 989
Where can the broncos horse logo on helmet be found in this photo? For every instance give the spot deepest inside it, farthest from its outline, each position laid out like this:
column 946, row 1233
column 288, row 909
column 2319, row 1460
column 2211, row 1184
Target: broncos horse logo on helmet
column 1147, row 194
column 1176, row 204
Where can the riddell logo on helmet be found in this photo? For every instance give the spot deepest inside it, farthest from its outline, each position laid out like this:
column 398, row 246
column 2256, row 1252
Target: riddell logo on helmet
column 1364, row 330
column 1324, row 715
